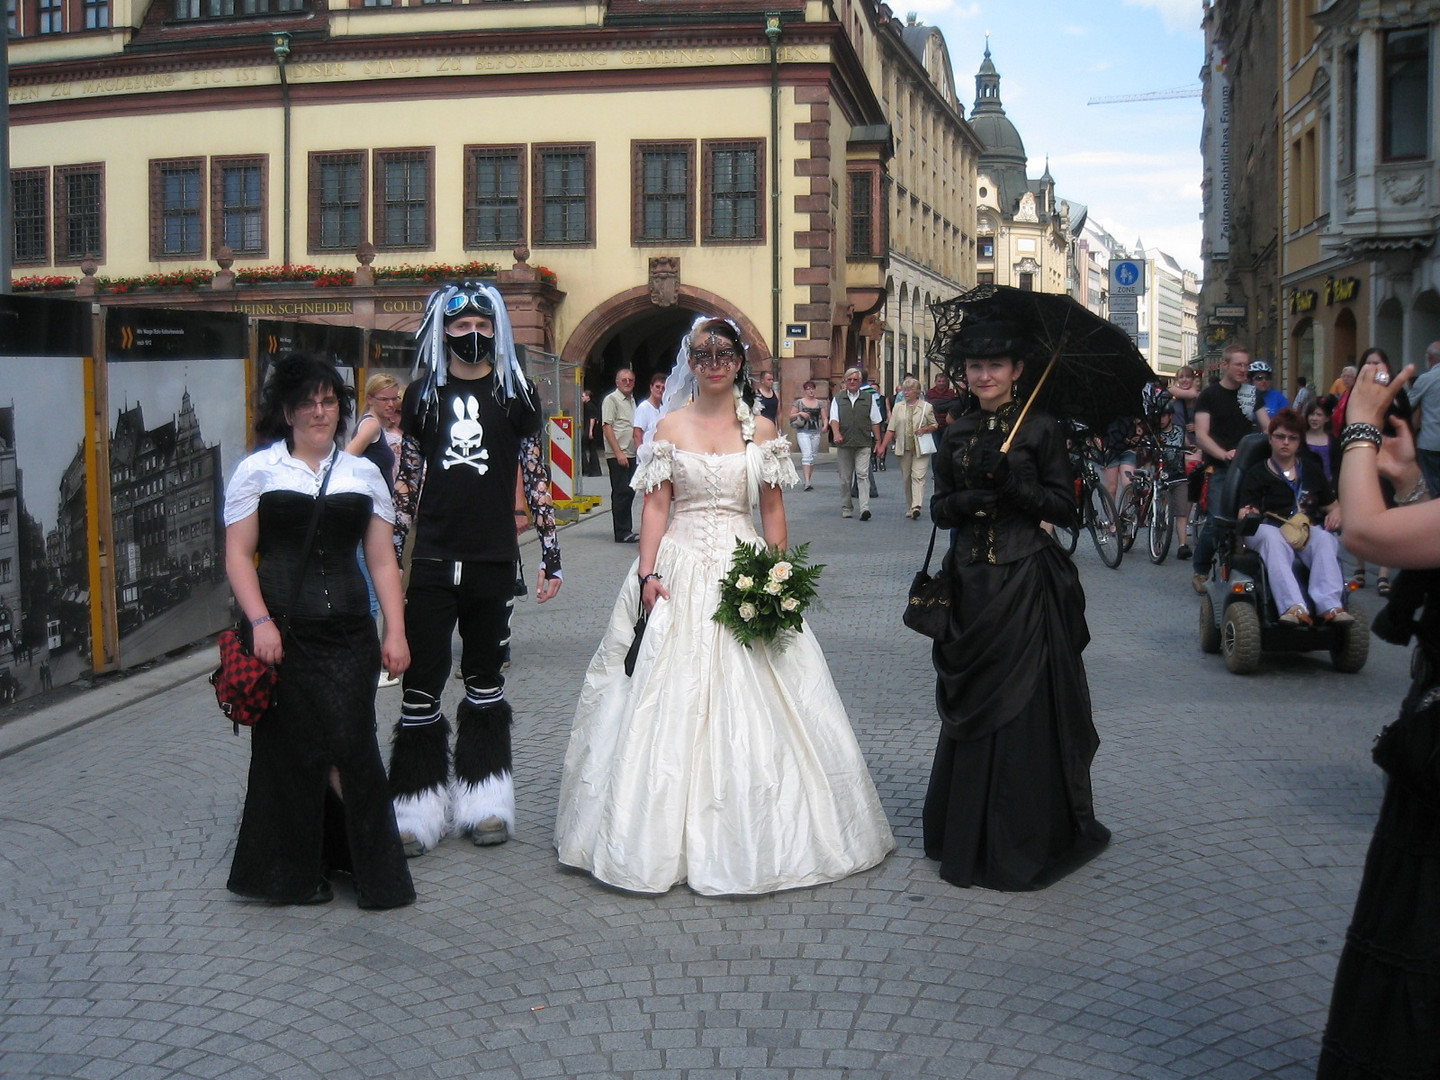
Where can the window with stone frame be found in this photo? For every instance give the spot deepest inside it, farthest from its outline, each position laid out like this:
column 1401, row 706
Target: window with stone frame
column 494, row 196
column 1406, row 118
column 51, row 17
column 1026, row 282
column 177, row 208
column 336, row 205
column 79, row 213
column 563, row 195
column 30, row 216
column 662, row 192
column 733, row 191
column 229, row 9
column 237, row 204
column 405, row 199
column 96, row 14
column 866, row 215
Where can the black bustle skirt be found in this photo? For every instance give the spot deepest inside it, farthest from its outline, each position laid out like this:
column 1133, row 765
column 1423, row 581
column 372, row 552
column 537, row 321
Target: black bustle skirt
column 1009, row 804
column 1384, row 1019
column 294, row 830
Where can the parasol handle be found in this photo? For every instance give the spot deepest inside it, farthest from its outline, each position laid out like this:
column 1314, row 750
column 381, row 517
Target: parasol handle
column 1054, row 359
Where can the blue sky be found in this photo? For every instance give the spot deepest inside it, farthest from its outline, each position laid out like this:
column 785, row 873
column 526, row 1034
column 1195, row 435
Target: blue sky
column 1136, row 165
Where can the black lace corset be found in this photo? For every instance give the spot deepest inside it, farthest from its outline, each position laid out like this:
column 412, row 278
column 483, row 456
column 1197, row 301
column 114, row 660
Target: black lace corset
column 332, row 584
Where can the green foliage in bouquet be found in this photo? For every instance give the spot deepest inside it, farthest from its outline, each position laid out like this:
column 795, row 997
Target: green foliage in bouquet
column 766, row 593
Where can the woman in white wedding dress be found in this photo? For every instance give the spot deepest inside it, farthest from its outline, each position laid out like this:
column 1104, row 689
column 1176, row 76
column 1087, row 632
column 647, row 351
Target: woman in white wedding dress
column 731, row 769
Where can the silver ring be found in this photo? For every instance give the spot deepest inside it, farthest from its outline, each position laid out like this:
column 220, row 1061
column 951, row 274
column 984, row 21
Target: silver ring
column 1383, row 378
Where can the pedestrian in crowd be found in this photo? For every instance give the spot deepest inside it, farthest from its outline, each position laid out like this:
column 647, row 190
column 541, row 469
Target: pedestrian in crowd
column 591, row 438
column 617, row 416
column 1385, row 1009
column 767, row 401
column 909, row 421
column 1425, row 401
column 473, row 432
column 854, row 428
column 1009, row 802
column 1118, row 456
column 1376, row 358
column 805, row 418
column 1173, row 478
column 877, row 460
column 647, row 413
column 1343, row 382
column 377, row 438
column 1304, row 396
column 942, row 398
column 733, row 769
column 1319, row 443
column 1285, row 484
column 1268, row 400
column 1224, row 414
column 316, row 799
column 47, row 678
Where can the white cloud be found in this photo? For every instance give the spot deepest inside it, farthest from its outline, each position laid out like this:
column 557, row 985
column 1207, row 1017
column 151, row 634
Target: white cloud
column 1076, row 31
column 948, row 8
column 1176, row 14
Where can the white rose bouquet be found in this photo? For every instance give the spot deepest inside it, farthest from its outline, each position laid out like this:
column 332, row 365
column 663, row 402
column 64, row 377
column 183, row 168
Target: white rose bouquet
column 766, row 593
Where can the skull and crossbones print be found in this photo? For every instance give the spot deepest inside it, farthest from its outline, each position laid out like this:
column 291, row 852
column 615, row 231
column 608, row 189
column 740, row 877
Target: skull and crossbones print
column 466, row 436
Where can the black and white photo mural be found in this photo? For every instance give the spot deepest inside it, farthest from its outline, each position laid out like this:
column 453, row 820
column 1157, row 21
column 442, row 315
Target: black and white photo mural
column 177, row 428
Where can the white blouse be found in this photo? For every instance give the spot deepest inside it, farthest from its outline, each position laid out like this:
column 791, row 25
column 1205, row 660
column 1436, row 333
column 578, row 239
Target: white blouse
column 274, row 468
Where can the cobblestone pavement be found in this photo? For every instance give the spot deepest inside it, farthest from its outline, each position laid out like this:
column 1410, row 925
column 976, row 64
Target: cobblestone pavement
column 1202, row 943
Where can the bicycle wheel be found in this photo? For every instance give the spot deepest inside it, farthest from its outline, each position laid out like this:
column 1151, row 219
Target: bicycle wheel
column 1162, row 526
column 1101, row 519
column 1068, row 536
column 1131, row 505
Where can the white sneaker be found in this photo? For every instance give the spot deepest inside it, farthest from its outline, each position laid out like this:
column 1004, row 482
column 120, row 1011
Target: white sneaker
column 386, row 679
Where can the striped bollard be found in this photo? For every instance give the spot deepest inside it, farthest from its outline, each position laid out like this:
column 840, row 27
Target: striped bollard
column 562, row 458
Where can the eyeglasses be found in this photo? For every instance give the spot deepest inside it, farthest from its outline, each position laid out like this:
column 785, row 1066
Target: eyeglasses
column 469, row 297
column 387, row 399
column 1284, row 436
column 327, row 404
column 708, row 361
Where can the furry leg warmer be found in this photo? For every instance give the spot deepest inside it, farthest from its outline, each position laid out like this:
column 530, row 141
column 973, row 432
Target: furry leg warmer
column 420, row 770
column 483, row 786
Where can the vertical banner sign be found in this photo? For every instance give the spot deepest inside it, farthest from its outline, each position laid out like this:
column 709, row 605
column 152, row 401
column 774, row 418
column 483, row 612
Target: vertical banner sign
column 1220, row 92
column 562, row 458
column 47, row 532
column 176, row 426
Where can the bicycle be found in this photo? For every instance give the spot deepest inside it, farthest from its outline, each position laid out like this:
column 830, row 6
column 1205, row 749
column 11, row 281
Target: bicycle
column 1097, row 513
column 1144, row 504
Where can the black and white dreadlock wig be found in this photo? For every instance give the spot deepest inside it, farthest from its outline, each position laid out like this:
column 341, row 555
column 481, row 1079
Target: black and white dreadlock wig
column 432, row 349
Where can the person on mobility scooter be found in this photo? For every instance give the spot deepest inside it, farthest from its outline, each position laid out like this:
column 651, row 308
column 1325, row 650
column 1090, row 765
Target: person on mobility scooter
column 1271, row 515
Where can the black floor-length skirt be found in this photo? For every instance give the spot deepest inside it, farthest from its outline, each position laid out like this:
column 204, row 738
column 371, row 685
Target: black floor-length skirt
column 295, row 830
column 1384, row 1019
column 1009, row 804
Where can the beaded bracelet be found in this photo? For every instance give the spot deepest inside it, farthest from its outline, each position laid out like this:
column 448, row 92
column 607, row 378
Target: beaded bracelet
column 1358, row 433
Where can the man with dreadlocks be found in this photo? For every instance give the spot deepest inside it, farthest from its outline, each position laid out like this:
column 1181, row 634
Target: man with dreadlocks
column 469, row 422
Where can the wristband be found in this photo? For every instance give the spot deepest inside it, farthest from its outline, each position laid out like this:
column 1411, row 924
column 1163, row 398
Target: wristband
column 650, row 577
column 1357, row 433
column 263, row 619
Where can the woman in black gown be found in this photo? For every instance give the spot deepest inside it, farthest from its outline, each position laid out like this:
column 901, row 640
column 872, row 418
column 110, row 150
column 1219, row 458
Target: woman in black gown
column 317, row 800
column 1009, row 804
column 1384, row 1019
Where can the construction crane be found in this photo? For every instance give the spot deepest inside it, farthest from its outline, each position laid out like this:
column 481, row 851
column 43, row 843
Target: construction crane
column 1154, row 95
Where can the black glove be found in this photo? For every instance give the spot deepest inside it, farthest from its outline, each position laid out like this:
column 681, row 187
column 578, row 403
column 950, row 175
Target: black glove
column 992, row 464
column 975, row 502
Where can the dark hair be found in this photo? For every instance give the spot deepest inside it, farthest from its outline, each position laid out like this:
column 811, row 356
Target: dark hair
column 293, row 378
column 1323, row 404
column 1288, row 419
column 730, row 334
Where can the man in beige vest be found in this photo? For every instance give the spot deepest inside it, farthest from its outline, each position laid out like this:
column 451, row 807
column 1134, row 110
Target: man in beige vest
column 854, row 423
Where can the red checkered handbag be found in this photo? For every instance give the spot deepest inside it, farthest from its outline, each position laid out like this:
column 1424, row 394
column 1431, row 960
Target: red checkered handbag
column 244, row 686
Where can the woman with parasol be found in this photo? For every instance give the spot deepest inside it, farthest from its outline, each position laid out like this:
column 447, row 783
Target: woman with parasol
column 1009, row 803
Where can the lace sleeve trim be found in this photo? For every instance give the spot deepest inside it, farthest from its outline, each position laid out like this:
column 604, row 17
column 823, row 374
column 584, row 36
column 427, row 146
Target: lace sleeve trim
column 655, row 467
column 776, row 468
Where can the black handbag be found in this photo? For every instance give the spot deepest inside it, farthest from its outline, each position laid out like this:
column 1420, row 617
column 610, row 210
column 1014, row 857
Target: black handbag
column 927, row 610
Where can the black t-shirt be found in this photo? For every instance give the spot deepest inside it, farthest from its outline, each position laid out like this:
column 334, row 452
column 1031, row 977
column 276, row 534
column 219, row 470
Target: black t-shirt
column 1228, row 421
column 1271, row 493
column 472, row 455
column 768, row 407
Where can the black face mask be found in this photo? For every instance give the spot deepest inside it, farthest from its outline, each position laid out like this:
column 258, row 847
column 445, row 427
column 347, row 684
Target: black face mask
column 472, row 348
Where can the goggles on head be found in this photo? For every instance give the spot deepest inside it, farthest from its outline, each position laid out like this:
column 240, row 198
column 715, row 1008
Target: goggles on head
column 469, row 300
